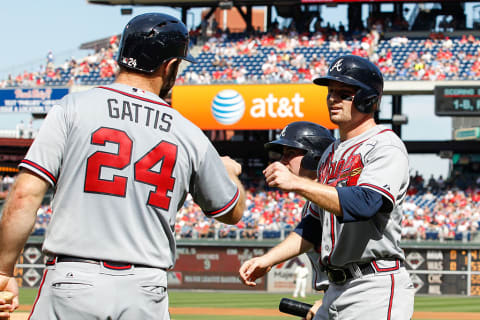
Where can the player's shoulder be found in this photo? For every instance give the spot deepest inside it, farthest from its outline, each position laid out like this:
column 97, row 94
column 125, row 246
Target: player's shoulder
column 193, row 130
column 384, row 136
column 73, row 98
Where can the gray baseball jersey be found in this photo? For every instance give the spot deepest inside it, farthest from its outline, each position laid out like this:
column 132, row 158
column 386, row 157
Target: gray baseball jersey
column 378, row 160
column 319, row 277
column 122, row 161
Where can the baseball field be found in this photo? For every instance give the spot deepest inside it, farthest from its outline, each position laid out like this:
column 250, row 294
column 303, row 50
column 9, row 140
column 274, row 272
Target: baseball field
column 203, row 305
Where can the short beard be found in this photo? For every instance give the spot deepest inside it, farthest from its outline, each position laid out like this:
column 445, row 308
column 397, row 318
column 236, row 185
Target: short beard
column 169, row 80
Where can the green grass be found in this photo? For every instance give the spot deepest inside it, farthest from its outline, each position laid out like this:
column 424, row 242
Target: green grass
column 242, row 300
column 28, row 295
column 245, row 300
column 447, row 304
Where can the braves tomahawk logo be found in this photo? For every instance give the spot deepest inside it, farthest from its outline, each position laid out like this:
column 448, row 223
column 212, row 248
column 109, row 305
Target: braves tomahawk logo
column 345, row 171
column 337, row 65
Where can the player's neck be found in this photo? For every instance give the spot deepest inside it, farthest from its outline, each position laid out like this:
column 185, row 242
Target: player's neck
column 351, row 130
column 140, row 81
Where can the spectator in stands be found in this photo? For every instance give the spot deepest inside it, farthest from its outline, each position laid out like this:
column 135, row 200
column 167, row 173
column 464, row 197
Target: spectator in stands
column 30, row 131
column 49, row 57
column 7, row 182
column 432, row 184
column 20, row 129
column 113, row 42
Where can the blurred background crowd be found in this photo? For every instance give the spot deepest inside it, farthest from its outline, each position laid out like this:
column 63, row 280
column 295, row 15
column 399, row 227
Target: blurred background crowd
column 279, row 55
column 434, row 209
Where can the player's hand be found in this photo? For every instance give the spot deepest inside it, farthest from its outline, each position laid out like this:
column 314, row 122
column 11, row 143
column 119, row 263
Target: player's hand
column 232, row 166
column 313, row 310
column 278, row 175
column 253, row 269
column 8, row 304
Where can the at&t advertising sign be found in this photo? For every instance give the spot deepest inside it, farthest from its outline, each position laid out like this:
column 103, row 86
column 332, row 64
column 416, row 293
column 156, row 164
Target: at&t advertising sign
column 251, row 107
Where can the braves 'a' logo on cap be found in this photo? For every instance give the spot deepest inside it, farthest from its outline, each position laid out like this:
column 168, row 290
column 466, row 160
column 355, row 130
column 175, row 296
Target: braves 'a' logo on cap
column 337, row 65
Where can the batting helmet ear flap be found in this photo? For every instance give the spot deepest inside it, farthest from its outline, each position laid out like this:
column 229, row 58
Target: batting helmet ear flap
column 365, row 100
column 318, row 145
column 310, row 160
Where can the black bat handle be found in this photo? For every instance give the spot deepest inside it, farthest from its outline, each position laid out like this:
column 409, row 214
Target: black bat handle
column 294, row 307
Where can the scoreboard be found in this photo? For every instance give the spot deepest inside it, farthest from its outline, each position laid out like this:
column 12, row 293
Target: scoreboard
column 437, row 271
column 460, row 101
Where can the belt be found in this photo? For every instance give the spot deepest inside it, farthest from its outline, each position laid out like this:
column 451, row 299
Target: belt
column 340, row 275
column 114, row 265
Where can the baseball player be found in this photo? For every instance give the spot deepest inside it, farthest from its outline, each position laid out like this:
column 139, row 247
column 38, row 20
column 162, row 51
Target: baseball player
column 301, row 275
column 363, row 178
column 301, row 144
column 122, row 162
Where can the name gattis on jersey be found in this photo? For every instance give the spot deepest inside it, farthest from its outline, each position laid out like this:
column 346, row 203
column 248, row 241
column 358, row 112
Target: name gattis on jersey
column 150, row 117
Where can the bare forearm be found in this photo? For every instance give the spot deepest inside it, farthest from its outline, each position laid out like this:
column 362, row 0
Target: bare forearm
column 322, row 195
column 326, row 197
column 18, row 218
column 292, row 246
column 13, row 235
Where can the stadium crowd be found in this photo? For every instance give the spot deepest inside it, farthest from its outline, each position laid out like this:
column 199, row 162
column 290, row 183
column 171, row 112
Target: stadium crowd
column 434, row 209
column 292, row 57
column 93, row 69
column 282, row 55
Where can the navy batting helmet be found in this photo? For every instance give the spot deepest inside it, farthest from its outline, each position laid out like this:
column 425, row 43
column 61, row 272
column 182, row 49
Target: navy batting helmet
column 150, row 39
column 358, row 72
column 304, row 135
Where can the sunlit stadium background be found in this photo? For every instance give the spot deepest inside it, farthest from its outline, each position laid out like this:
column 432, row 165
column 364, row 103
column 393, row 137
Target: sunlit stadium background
column 262, row 56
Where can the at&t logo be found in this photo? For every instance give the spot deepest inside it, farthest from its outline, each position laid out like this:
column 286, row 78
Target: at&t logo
column 228, row 107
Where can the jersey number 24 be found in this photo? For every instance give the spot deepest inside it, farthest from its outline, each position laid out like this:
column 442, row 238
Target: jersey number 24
column 162, row 180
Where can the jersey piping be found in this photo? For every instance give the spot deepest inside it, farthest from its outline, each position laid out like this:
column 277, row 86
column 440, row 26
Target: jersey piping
column 332, row 232
column 388, row 194
column 39, row 292
column 134, row 96
column 313, row 212
column 226, row 207
column 378, row 269
column 40, row 170
column 392, row 291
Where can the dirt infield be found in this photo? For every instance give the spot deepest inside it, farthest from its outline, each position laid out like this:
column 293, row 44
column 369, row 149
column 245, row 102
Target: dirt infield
column 270, row 312
column 23, row 312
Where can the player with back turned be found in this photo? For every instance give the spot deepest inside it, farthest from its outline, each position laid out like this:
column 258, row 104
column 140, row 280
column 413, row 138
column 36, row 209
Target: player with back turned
column 362, row 182
column 122, row 162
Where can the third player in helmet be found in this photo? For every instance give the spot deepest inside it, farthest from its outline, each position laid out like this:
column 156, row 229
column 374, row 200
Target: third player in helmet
column 301, row 145
column 304, row 140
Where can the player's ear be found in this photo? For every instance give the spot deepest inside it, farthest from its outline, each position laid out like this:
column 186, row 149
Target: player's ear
column 165, row 67
column 172, row 64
